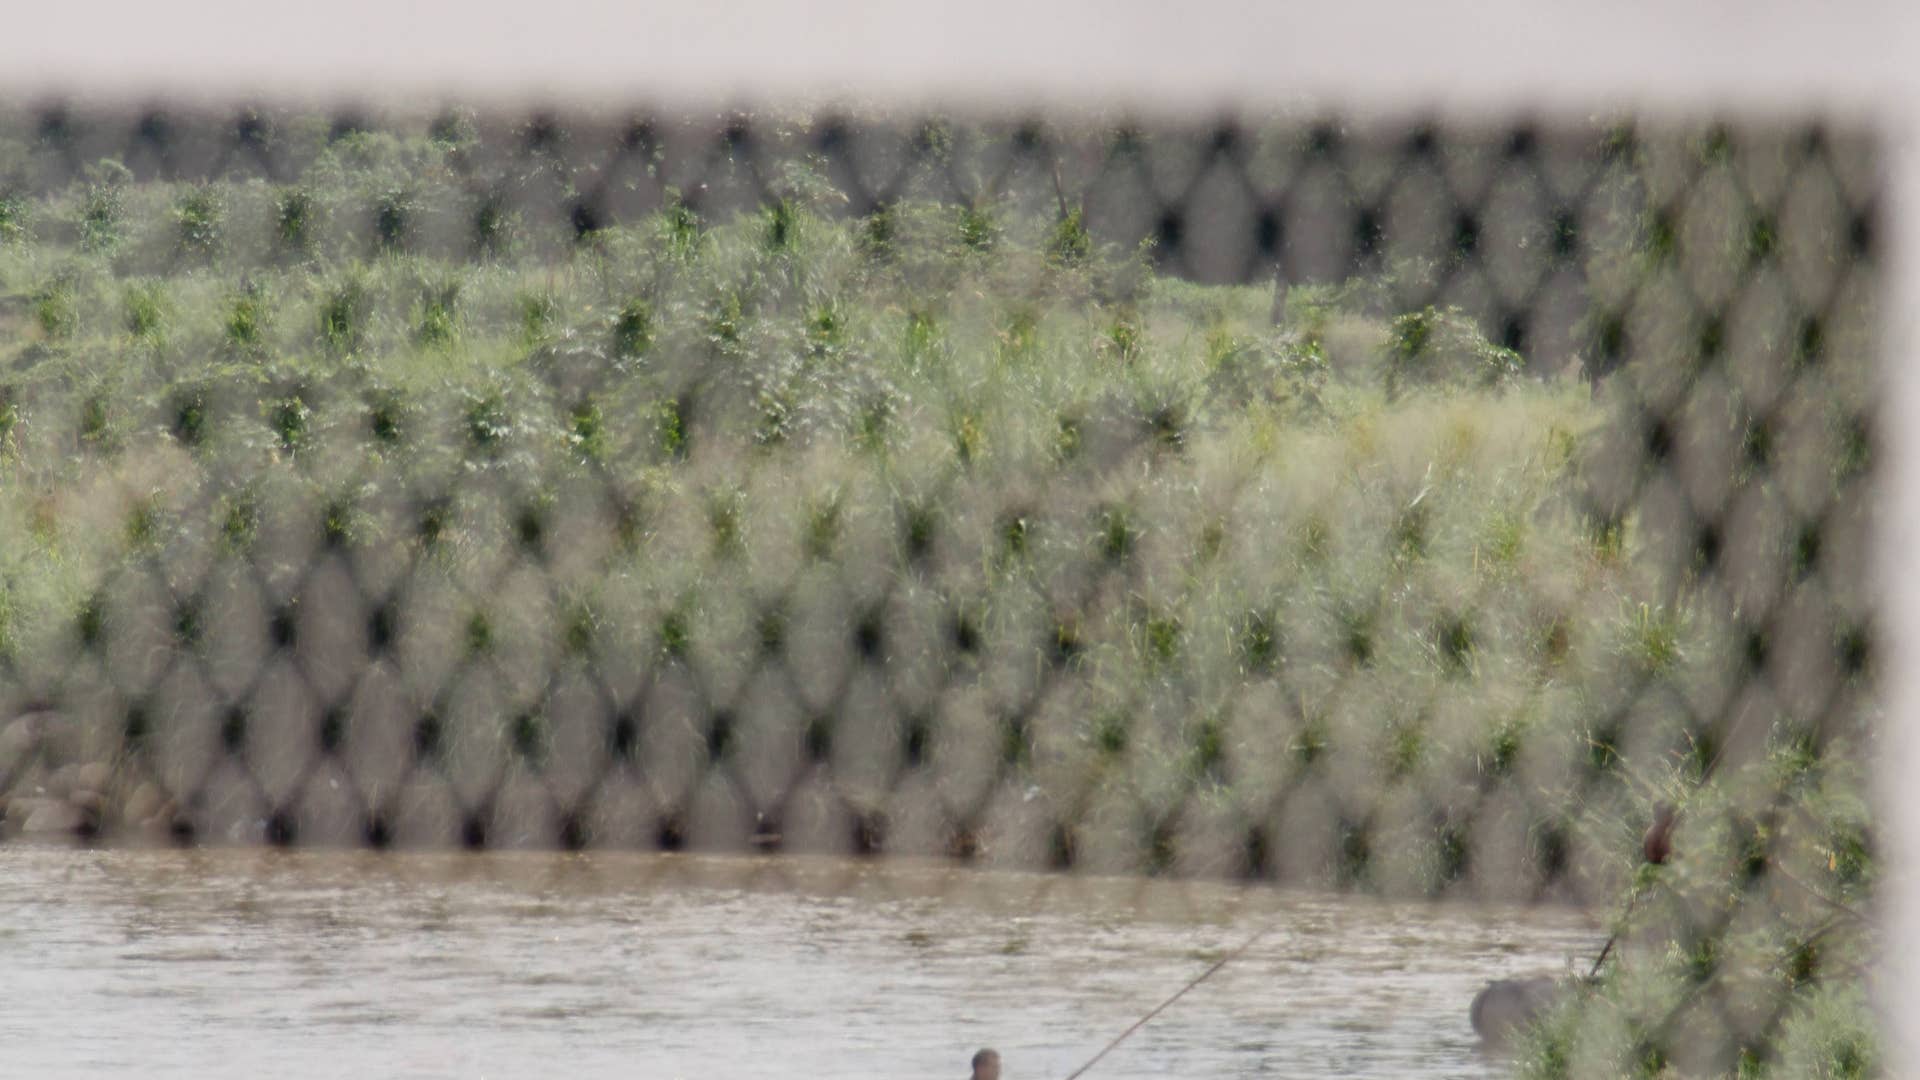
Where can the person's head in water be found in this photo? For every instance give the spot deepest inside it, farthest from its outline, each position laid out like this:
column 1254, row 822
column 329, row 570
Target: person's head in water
column 986, row 1065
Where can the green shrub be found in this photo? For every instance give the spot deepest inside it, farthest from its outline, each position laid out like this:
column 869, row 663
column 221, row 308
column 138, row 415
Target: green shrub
column 454, row 129
column 781, row 226
column 492, row 228
column 145, row 305
column 539, row 313
column 1433, row 347
column 1069, row 243
column 246, row 322
column 679, row 228
column 291, row 419
column 345, row 311
column 633, row 329
column 13, row 218
column 394, row 213
column 103, row 209
column 488, row 422
column 977, row 229
column 198, row 219
column 436, row 315
column 296, row 221
column 56, row 310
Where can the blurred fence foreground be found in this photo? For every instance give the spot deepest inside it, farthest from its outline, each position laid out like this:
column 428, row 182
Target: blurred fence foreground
column 1403, row 506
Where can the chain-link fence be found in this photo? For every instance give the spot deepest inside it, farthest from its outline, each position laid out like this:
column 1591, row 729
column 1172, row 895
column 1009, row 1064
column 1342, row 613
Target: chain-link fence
column 1420, row 507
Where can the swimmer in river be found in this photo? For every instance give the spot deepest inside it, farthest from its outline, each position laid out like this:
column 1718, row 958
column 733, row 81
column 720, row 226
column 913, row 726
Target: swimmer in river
column 986, row 1065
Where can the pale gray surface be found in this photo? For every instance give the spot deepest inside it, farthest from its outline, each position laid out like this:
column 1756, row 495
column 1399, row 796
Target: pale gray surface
column 1504, row 53
column 246, row 964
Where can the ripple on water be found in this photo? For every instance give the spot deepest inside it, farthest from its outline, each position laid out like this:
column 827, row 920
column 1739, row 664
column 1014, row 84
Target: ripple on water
column 248, row 962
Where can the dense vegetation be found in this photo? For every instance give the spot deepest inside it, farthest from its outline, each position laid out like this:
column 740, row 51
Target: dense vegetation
column 1054, row 560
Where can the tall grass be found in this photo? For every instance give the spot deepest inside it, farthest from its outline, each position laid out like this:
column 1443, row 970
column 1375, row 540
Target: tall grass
column 1053, row 559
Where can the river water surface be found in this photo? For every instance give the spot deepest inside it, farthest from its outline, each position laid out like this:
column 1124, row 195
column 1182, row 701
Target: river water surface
column 247, row 963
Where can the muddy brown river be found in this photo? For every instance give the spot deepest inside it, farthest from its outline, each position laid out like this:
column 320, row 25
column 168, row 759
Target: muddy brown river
column 247, row 963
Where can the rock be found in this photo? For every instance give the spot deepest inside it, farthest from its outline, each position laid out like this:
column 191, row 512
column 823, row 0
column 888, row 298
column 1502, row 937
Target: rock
column 1506, row 1007
column 55, row 816
column 161, row 824
column 20, row 738
column 30, row 782
column 63, row 780
column 93, row 776
column 141, row 806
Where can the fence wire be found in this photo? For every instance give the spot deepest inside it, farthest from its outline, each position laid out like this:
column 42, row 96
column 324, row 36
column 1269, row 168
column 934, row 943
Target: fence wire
column 1408, row 506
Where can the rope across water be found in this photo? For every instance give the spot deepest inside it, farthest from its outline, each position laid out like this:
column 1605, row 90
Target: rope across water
column 1158, row 1009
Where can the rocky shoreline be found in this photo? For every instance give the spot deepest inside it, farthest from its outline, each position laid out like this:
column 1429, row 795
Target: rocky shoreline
column 78, row 800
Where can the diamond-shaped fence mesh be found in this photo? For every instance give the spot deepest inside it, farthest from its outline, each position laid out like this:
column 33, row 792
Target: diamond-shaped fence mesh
column 1421, row 507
